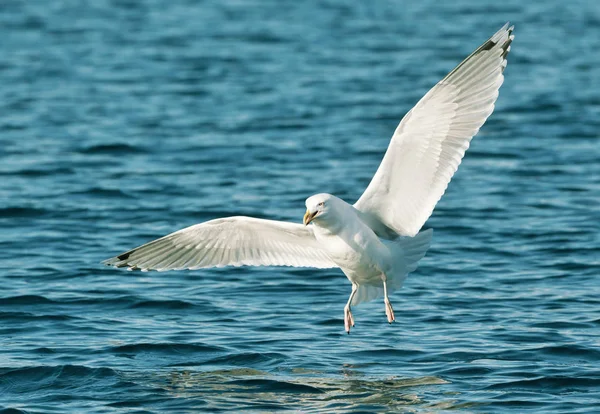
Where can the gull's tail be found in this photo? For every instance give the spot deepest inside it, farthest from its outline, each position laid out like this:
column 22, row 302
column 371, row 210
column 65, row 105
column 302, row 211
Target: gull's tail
column 407, row 251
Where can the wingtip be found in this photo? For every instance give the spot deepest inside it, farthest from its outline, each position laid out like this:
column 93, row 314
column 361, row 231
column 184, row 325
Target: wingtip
column 507, row 27
column 117, row 263
column 510, row 31
column 503, row 38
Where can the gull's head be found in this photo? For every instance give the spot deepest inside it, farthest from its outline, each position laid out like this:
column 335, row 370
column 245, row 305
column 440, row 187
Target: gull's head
column 318, row 207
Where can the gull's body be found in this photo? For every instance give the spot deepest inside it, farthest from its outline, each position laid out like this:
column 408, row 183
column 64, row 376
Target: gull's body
column 373, row 265
column 351, row 243
column 375, row 242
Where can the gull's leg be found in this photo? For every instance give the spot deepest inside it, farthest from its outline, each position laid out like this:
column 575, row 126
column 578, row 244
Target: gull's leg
column 348, row 319
column 389, row 311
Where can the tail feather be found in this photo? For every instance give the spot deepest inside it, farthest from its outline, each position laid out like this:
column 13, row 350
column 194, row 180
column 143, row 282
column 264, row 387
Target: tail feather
column 407, row 252
column 413, row 249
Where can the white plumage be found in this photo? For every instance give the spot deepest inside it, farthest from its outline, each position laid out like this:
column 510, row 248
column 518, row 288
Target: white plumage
column 431, row 140
column 376, row 242
column 231, row 241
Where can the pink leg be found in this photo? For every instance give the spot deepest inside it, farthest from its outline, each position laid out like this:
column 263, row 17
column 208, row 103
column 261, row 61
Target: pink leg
column 348, row 319
column 389, row 311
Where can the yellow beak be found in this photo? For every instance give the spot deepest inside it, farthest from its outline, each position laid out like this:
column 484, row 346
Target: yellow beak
column 308, row 217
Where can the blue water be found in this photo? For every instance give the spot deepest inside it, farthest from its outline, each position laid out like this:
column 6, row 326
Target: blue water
column 121, row 121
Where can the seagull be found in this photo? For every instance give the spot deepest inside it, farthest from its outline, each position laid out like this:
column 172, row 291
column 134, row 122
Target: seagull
column 377, row 241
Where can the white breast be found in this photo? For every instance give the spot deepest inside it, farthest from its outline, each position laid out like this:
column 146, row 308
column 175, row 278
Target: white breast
column 355, row 248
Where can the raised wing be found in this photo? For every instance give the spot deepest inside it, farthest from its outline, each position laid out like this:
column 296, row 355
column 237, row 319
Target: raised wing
column 432, row 138
column 232, row 241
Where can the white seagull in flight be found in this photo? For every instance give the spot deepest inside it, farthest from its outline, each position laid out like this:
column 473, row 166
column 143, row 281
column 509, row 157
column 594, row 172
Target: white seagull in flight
column 375, row 242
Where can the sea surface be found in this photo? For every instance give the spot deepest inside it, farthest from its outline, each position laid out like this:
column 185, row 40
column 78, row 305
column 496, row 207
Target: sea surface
column 122, row 121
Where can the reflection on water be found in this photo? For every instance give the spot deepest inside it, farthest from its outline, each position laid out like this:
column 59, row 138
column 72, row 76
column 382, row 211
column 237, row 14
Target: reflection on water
column 247, row 388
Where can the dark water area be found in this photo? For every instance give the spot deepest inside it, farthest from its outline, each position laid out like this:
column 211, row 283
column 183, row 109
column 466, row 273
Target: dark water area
column 121, row 121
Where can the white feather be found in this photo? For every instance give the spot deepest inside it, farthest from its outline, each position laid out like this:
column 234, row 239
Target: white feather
column 431, row 140
column 232, row 241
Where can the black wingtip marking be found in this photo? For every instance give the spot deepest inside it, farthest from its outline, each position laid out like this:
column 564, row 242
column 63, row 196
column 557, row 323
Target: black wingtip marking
column 506, row 46
column 124, row 256
column 487, row 45
column 490, row 44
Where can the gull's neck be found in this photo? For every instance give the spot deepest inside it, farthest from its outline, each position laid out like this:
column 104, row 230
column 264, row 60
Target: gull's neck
column 340, row 219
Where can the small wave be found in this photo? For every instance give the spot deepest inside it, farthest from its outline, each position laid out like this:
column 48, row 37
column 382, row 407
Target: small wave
column 452, row 356
column 162, row 304
column 329, row 322
column 563, row 353
column 388, row 353
column 34, row 173
column 12, row 411
column 22, row 380
column 26, row 300
column 115, row 149
column 104, row 192
column 467, row 371
column 28, row 317
column 247, row 358
column 43, row 351
column 164, row 348
column 561, row 325
column 562, row 383
column 572, row 350
column 21, row 212
column 111, row 301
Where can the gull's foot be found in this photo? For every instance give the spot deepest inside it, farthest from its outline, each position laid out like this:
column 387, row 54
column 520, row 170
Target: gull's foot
column 389, row 311
column 348, row 319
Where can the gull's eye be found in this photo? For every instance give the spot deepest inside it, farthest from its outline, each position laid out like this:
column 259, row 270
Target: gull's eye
column 321, row 204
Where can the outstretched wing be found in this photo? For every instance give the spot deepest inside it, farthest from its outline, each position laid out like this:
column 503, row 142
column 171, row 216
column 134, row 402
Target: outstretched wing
column 232, row 241
column 432, row 138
